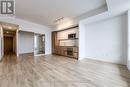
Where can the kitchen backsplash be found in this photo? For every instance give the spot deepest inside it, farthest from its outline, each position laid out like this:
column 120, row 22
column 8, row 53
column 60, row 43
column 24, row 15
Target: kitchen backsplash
column 69, row 43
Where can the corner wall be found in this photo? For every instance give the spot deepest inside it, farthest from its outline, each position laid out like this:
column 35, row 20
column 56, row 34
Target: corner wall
column 128, row 60
column 82, row 44
column 105, row 40
column 1, row 41
column 26, row 42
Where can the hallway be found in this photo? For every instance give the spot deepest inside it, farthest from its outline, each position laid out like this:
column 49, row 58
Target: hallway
column 9, row 41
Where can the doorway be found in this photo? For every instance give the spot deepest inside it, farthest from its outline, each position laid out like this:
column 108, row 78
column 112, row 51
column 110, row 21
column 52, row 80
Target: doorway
column 39, row 44
column 8, row 45
column 9, row 42
column 9, row 39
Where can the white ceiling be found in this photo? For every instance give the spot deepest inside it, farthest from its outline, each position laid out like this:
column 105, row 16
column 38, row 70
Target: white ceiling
column 47, row 11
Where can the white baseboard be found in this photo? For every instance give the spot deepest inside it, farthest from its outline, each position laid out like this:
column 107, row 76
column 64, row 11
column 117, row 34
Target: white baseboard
column 110, row 60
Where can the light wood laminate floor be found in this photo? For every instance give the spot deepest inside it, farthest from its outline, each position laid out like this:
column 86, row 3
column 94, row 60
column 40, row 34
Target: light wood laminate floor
column 58, row 71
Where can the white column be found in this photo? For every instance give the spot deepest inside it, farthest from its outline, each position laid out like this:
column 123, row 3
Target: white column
column 1, row 42
column 82, row 37
column 128, row 60
column 17, row 47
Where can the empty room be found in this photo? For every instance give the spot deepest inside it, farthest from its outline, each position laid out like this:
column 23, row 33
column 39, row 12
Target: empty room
column 64, row 43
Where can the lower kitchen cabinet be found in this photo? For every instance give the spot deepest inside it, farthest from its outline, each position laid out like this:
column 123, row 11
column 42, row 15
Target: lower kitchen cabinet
column 66, row 51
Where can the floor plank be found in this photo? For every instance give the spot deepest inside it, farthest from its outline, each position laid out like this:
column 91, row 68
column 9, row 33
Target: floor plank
column 57, row 71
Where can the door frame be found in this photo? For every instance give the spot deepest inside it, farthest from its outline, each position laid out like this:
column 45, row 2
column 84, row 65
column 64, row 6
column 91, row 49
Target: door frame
column 2, row 40
column 17, row 38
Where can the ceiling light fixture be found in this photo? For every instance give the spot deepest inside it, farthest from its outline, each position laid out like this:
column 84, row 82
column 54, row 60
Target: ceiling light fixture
column 59, row 20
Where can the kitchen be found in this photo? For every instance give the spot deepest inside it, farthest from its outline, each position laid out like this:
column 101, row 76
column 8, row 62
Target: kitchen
column 65, row 42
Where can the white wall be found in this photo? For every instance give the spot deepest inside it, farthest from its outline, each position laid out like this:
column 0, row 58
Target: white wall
column 32, row 27
column 118, row 6
column 94, row 12
column 82, row 44
column 69, row 22
column 26, row 42
column 128, row 60
column 1, row 36
column 106, row 40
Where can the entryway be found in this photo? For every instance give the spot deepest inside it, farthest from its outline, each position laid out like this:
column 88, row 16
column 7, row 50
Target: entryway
column 9, row 42
column 9, row 39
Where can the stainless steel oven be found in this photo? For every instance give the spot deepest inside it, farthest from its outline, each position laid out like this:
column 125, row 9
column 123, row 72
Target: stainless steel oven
column 70, row 51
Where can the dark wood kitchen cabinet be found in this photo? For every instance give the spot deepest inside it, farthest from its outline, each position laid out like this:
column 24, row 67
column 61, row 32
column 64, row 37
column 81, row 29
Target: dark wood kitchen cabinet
column 55, row 42
column 62, row 50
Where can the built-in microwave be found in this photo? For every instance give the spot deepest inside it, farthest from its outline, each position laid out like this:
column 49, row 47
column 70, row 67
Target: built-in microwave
column 72, row 36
